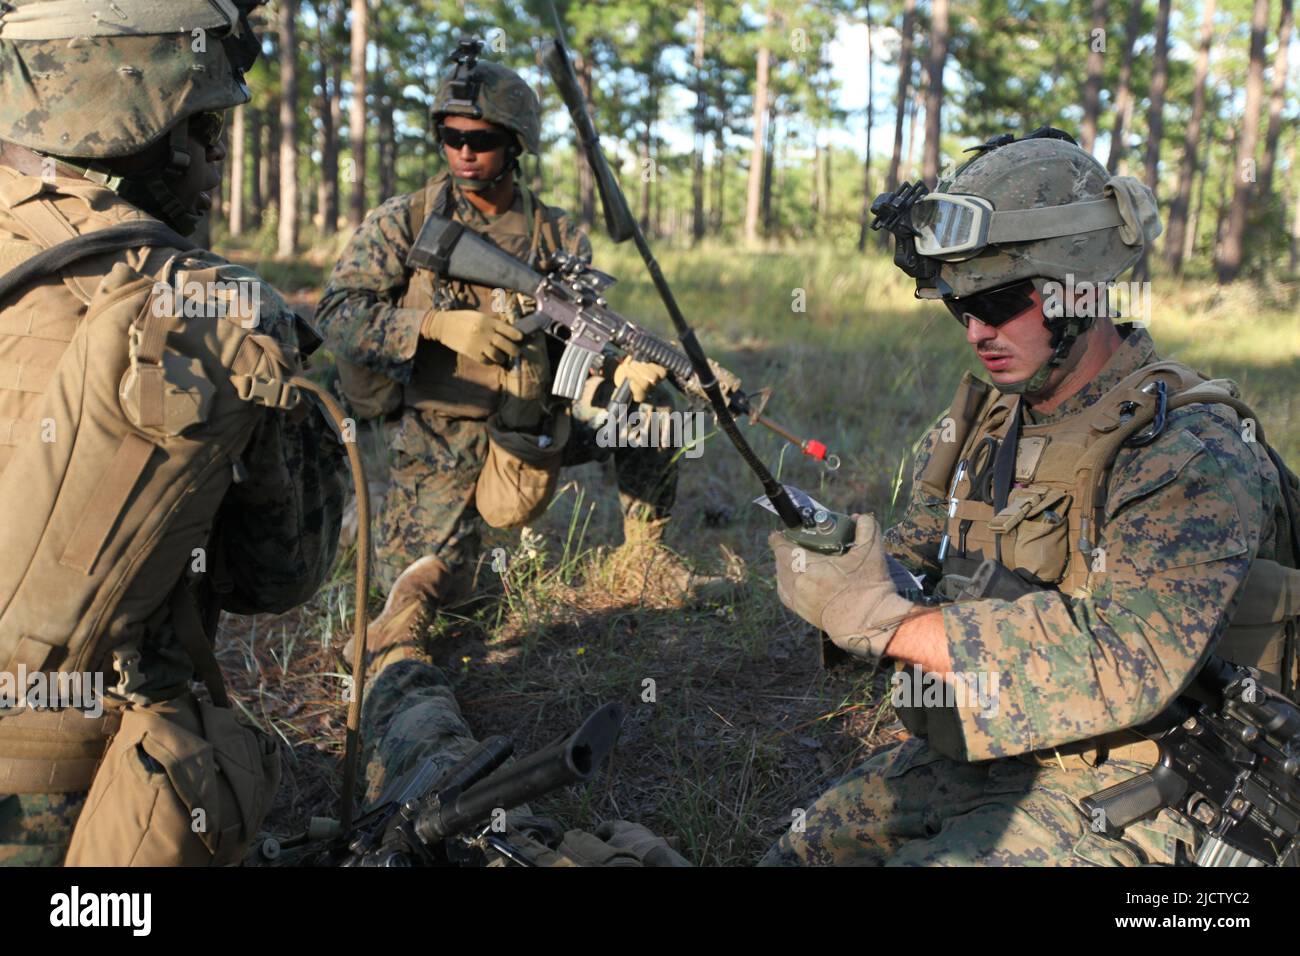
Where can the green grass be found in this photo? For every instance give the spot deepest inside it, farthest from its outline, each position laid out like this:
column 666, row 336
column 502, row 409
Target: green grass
column 745, row 726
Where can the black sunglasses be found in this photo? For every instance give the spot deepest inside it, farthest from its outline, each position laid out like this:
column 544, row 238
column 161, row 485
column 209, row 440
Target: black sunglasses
column 993, row 306
column 478, row 140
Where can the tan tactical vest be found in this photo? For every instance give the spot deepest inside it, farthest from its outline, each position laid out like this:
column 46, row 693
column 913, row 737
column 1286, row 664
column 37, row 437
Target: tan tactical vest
column 1056, row 507
column 443, row 381
column 121, row 426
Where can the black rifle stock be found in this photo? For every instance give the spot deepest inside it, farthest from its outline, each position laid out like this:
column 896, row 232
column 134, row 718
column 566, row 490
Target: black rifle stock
column 417, row 824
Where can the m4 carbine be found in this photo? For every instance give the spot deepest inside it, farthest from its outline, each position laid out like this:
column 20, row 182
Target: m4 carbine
column 571, row 307
column 1231, row 767
column 455, row 818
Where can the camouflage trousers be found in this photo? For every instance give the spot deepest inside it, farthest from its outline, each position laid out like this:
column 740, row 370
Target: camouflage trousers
column 911, row 806
column 410, row 715
column 435, row 463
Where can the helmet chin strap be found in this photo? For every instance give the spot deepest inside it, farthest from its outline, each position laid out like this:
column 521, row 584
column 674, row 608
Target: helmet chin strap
column 1065, row 332
column 149, row 190
column 483, row 185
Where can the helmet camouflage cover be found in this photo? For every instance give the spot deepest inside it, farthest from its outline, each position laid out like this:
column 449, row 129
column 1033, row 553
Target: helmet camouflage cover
column 500, row 96
column 1036, row 173
column 101, row 79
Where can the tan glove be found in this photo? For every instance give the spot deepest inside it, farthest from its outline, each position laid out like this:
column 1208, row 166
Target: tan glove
column 641, row 376
column 650, row 849
column 849, row 596
column 481, row 336
column 729, row 383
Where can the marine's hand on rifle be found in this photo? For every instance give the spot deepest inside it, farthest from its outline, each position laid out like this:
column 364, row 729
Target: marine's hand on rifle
column 640, row 376
column 484, row 337
column 729, row 383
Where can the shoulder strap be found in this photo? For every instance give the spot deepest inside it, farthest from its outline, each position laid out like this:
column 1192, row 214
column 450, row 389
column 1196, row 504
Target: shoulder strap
column 114, row 239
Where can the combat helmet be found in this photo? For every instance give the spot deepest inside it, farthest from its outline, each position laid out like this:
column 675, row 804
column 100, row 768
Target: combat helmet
column 105, row 79
column 489, row 91
column 1039, row 208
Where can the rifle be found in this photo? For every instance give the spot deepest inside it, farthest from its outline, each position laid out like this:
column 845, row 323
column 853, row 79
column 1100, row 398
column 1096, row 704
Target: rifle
column 800, row 522
column 449, row 819
column 1230, row 766
column 572, row 308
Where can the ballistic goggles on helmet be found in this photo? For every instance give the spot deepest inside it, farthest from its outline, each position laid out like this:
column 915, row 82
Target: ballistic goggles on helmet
column 953, row 227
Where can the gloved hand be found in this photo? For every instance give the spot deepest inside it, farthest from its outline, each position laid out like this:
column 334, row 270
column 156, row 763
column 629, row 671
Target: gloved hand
column 650, row 849
column 849, row 596
column 726, row 380
column 482, row 336
column 641, row 376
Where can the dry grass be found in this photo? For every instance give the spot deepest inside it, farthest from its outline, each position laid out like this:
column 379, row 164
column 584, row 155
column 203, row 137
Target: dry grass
column 745, row 726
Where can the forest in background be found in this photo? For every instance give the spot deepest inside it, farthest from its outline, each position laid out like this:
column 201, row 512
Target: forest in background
column 726, row 120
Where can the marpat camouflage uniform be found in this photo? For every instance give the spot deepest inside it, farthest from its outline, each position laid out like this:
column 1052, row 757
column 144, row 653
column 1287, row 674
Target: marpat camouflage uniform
column 1187, row 516
column 439, row 444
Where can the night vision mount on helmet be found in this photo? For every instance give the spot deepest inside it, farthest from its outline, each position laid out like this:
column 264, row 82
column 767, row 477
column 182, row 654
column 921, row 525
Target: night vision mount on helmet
column 1038, row 208
column 480, row 89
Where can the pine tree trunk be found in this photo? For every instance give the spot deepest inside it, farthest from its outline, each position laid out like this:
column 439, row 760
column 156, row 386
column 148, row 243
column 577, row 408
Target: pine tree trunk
column 387, row 144
column 914, row 113
column 1159, row 81
column 777, row 171
column 1285, row 24
column 273, row 135
column 1244, row 173
column 236, row 167
column 719, row 163
column 648, row 173
column 934, row 96
column 288, row 233
column 326, row 111
column 357, row 117
column 754, row 192
column 1194, row 228
column 769, row 162
column 697, row 159
column 864, row 218
column 1124, row 97
column 257, row 202
column 904, row 82
column 1176, row 233
column 1092, row 85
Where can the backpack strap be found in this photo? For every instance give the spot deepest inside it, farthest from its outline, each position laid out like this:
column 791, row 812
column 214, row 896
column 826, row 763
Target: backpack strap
column 130, row 235
column 188, row 626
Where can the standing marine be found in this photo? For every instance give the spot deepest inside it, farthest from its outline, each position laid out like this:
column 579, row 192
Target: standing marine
column 1131, row 504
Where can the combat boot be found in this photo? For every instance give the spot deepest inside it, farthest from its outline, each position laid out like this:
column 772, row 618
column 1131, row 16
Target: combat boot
column 401, row 631
column 644, row 560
